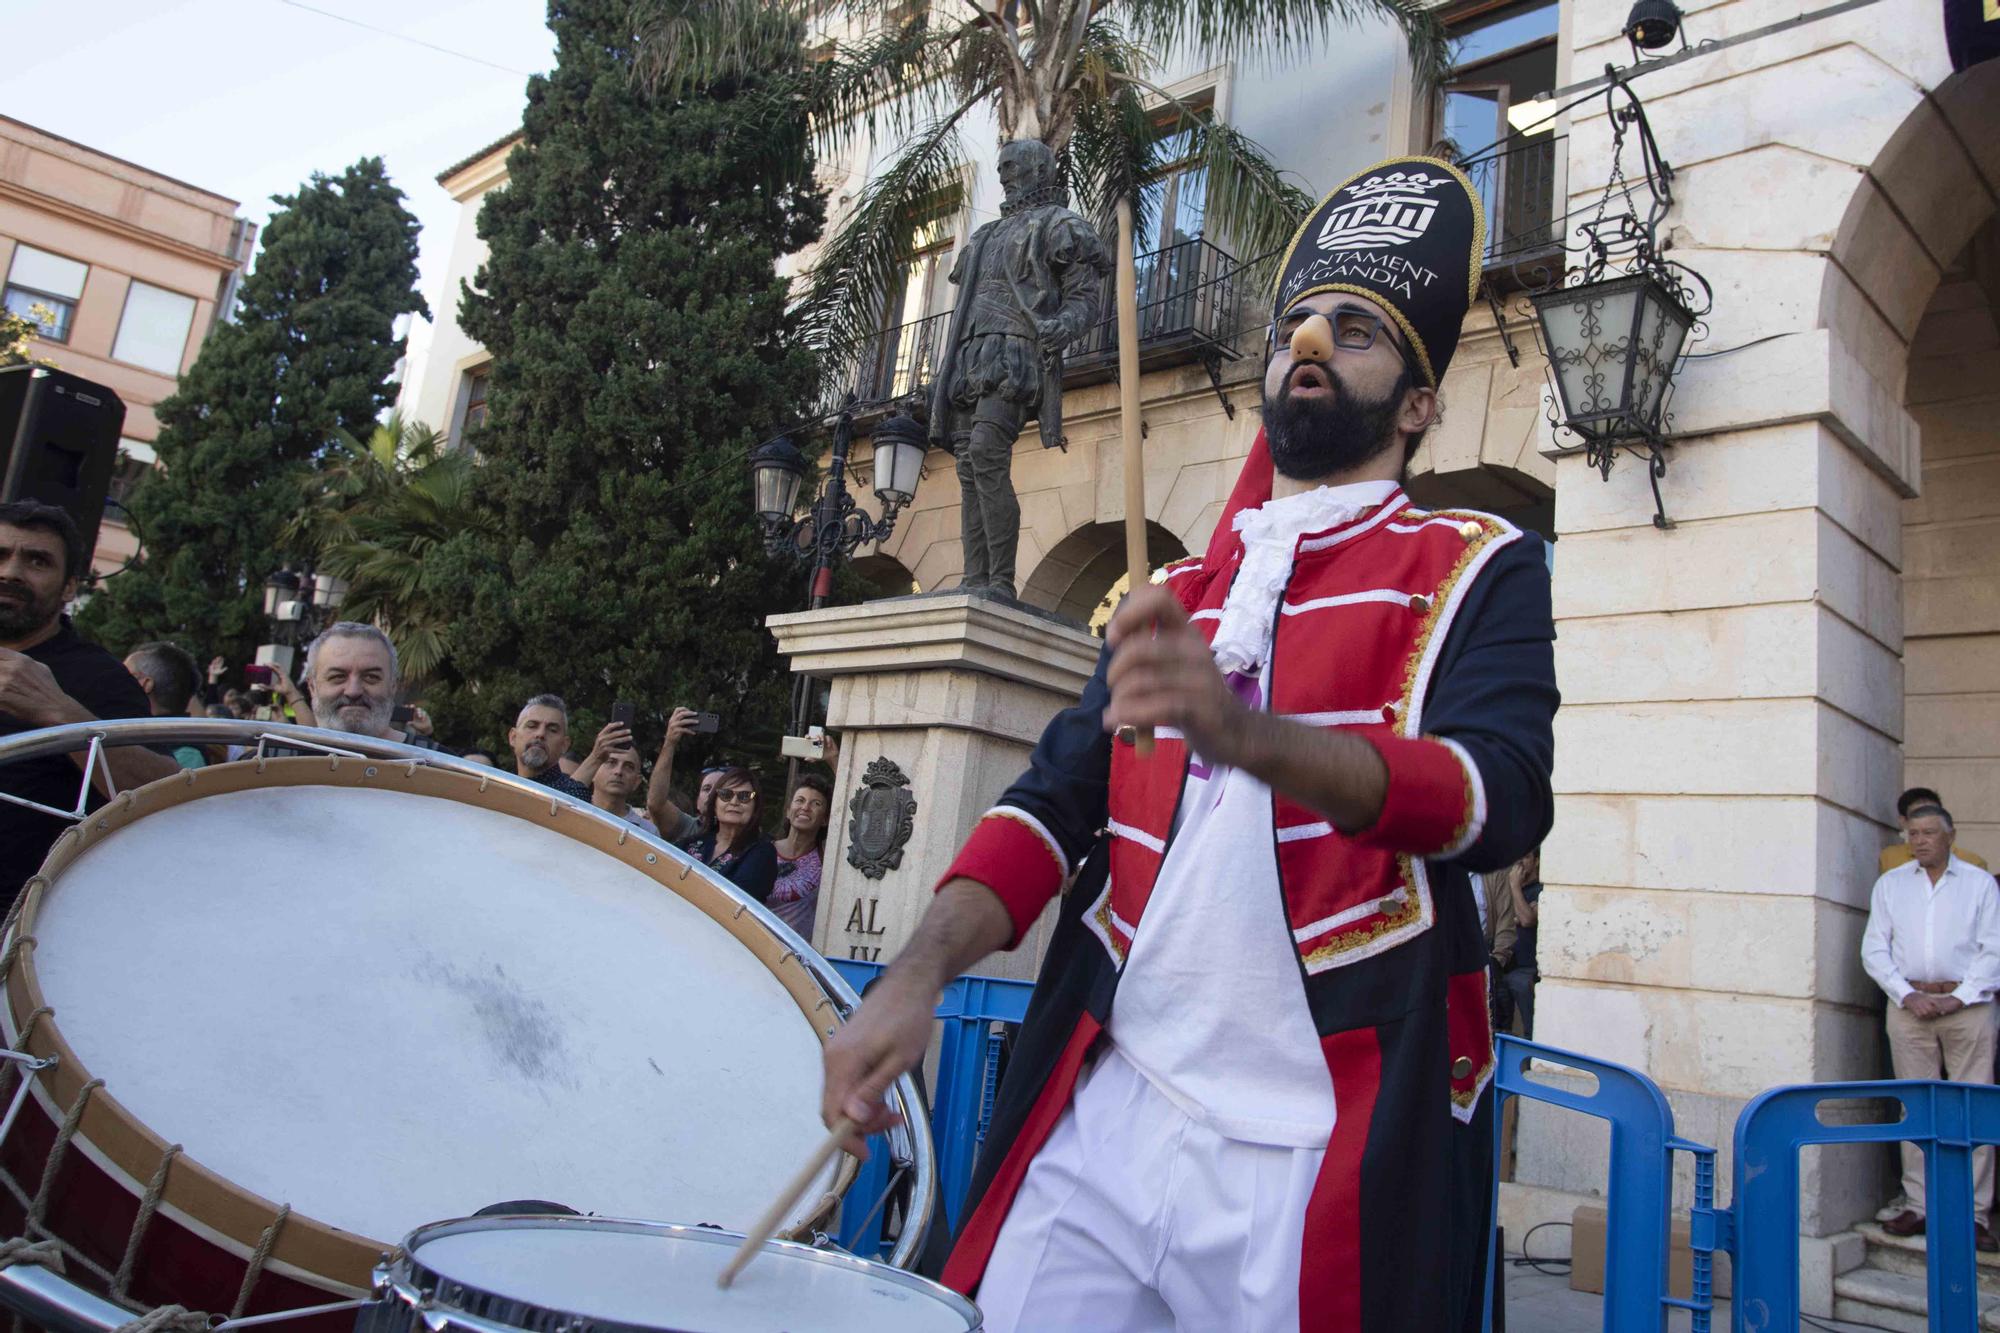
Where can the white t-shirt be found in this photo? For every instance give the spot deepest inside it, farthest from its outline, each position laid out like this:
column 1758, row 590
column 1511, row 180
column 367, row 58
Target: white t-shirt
column 1212, row 1004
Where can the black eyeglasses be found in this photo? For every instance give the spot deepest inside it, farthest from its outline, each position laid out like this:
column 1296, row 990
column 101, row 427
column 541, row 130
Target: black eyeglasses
column 1353, row 330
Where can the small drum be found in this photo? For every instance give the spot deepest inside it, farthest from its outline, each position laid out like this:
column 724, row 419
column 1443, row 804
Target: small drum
column 360, row 994
column 589, row 1275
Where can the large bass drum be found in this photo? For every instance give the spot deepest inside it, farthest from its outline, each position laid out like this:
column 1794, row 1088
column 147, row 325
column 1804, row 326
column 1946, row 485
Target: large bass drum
column 299, row 1006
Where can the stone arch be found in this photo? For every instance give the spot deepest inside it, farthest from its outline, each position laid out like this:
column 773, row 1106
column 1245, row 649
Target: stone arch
column 1074, row 577
column 1931, row 186
column 886, row 576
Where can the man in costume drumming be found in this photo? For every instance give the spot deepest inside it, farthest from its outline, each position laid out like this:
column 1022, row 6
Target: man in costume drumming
column 1250, row 1090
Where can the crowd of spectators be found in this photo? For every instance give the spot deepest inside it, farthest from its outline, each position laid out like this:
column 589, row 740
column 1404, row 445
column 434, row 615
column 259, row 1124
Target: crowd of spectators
column 349, row 682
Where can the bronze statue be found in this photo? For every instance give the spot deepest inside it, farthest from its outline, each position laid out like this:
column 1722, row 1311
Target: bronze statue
column 1029, row 285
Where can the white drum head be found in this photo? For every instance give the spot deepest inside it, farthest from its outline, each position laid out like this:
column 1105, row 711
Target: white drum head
column 383, row 1008
column 664, row 1278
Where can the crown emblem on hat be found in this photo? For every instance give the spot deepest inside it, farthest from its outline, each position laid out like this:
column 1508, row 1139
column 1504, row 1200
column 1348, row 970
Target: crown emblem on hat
column 1397, row 182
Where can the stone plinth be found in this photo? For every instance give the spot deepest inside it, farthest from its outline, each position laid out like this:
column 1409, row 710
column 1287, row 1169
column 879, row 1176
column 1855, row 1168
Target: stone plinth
column 954, row 690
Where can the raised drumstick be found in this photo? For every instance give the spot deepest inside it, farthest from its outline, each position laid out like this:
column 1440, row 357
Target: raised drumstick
column 788, row 1199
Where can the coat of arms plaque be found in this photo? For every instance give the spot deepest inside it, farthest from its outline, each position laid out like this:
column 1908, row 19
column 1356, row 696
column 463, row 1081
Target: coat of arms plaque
column 884, row 814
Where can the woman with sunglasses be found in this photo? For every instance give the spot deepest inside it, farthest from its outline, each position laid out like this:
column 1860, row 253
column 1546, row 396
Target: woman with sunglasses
column 796, row 897
column 732, row 840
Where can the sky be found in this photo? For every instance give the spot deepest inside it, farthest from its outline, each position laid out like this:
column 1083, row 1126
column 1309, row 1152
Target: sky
column 248, row 98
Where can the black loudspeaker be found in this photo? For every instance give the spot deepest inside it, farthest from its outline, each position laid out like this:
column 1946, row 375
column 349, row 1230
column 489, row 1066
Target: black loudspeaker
column 58, row 442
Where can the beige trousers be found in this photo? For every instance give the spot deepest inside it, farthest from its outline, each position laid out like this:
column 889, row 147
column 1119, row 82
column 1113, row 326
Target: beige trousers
column 1958, row 1047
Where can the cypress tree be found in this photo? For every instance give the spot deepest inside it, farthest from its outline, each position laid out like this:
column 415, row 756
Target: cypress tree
column 640, row 348
column 309, row 353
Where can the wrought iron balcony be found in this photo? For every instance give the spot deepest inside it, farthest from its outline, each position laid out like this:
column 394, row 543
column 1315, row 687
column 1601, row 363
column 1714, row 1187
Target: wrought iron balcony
column 1517, row 181
column 1187, row 312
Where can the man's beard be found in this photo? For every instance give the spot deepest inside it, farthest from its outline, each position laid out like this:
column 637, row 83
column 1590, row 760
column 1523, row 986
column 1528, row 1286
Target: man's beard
column 1313, row 440
column 20, row 619
column 345, row 714
column 527, row 758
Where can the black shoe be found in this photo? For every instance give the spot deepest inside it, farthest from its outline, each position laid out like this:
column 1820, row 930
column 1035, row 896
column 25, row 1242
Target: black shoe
column 1909, row 1222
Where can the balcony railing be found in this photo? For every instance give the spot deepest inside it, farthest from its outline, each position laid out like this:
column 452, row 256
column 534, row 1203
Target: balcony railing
column 1187, row 312
column 1516, row 180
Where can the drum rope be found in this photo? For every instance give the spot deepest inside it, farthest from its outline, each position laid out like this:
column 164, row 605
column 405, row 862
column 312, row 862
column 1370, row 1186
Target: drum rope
column 7, row 927
column 21, row 1250
column 21, row 1043
column 149, row 1203
column 39, row 1209
column 162, row 1317
column 257, row 1260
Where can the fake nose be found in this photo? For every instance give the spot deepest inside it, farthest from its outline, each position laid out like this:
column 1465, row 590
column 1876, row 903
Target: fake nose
column 1313, row 340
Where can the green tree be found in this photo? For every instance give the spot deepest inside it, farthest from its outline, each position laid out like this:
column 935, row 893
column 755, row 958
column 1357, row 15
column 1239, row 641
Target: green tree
column 640, row 347
column 1072, row 73
column 308, row 354
column 373, row 515
column 17, row 332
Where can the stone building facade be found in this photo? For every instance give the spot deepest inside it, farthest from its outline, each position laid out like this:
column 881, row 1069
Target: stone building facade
column 134, row 268
column 1744, row 693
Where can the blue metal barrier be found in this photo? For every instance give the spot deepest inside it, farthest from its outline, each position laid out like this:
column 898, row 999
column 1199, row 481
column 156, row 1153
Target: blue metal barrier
column 1946, row 1119
column 968, row 1077
column 1639, row 1190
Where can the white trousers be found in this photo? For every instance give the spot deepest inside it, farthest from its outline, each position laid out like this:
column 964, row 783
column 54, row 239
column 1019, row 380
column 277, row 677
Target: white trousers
column 1134, row 1217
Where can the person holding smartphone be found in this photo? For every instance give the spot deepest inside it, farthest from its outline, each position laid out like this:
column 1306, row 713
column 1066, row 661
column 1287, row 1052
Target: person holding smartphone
column 678, row 826
column 353, row 674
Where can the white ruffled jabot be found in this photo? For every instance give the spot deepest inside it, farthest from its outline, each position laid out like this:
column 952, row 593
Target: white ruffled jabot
column 1270, row 535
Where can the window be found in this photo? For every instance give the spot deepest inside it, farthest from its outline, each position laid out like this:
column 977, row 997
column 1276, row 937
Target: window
column 917, row 308
column 472, row 409
column 135, row 460
column 153, row 332
column 38, row 278
column 1489, row 120
column 1173, row 207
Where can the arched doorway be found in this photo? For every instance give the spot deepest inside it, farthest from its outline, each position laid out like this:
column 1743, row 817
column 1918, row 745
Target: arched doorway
column 1087, row 568
column 885, row 576
column 1951, row 547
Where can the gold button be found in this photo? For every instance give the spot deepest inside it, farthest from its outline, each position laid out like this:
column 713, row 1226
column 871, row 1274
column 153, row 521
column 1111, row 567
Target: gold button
column 1419, row 603
column 1470, row 530
column 1462, row 1067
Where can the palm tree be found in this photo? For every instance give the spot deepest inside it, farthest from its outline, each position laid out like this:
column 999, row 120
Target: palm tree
column 374, row 513
column 1073, row 73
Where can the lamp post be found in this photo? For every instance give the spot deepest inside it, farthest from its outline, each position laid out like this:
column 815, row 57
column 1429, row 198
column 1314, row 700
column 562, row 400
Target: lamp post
column 835, row 527
column 298, row 604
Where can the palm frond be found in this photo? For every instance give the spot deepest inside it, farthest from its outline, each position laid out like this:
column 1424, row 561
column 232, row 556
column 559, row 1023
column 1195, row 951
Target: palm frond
column 1280, row 29
column 1249, row 199
column 858, row 268
column 682, row 48
column 1112, row 149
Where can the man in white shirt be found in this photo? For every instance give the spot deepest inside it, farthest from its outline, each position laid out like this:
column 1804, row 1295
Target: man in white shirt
column 1933, row 944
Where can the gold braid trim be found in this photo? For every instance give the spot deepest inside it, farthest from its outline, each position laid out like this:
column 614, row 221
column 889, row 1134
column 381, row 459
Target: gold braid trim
column 1440, row 598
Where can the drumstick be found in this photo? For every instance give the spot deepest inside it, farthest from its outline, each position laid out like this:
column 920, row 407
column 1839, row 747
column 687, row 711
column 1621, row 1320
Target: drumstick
column 788, row 1199
column 1137, row 568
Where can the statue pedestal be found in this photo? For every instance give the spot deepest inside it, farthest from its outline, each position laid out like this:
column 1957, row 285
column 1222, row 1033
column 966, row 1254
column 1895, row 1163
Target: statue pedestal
column 953, row 691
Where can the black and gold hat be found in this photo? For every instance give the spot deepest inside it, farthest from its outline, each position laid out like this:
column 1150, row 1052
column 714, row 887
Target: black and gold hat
column 1408, row 234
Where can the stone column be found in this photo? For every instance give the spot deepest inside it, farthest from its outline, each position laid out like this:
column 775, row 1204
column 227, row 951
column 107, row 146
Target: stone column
column 954, row 690
column 1729, row 747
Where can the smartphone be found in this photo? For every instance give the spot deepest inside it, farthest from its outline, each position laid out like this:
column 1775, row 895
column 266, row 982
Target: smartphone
column 401, row 714
column 257, row 671
column 707, row 724
column 624, row 712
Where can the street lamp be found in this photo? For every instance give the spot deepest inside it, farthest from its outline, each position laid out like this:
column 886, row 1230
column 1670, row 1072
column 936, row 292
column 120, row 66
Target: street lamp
column 835, row 526
column 1616, row 330
column 280, row 588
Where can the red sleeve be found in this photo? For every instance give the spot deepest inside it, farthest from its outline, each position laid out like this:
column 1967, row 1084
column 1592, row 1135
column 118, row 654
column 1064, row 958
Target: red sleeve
column 1432, row 805
column 1014, row 856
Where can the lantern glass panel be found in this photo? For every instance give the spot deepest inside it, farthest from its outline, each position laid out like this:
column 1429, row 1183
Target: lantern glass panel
column 899, row 464
column 1663, row 329
column 1588, row 333
column 777, row 490
column 328, row 592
